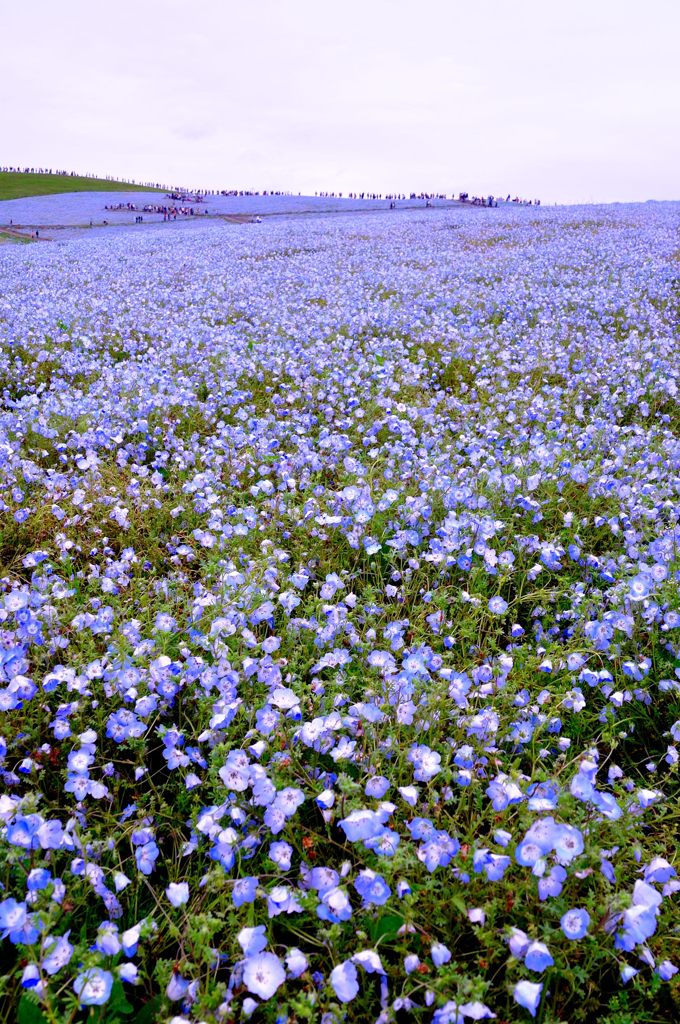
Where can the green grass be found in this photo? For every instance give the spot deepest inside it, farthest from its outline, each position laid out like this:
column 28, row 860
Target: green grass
column 7, row 237
column 18, row 186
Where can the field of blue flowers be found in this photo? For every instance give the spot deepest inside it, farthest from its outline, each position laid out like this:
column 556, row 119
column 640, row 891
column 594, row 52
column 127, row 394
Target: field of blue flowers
column 339, row 671
column 78, row 208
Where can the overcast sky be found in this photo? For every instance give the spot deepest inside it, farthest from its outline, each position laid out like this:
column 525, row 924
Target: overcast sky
column 575, row 101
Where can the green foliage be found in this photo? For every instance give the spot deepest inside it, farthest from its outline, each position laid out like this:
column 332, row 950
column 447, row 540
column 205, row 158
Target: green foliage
column 15, row 185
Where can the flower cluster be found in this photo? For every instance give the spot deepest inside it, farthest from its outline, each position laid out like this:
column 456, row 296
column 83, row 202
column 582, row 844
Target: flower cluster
column 339, row 618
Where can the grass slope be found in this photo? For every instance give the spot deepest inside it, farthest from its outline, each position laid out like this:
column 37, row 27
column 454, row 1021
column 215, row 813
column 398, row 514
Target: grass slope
column 17, row 186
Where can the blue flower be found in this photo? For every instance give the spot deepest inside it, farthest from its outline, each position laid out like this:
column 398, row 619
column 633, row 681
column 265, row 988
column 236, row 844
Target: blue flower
column 575, row 923
column 537, row 957
column 263, row 974
column 252, row 940
column 177, row 893
column 426, row 762
column 344, row 981
column 244, row 890
column 528, row 995
column 640, row 587
column 12, row 916
column 281, row 853
column 361, row 825
column 93, row 986
column 57, row 952
column 551, row 885
column 385, row 843
column 372, row 888
column 377, row 786
column 568, row 843
column 146, row 857
column 440, row 954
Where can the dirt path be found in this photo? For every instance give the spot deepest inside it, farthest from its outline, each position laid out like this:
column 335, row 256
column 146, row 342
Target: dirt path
column 15, row 233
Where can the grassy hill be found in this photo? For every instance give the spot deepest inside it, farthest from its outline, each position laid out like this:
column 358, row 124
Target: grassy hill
column 18, row 186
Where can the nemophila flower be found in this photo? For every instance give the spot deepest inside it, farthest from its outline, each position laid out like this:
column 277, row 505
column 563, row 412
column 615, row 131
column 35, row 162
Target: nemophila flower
column 575, row 923
column 370, row 961
column 377, row 786
column 120, row 881
column 38, row 879
column 550, row 886
column 177, row 987
column 146, row 857
column 335, row 905
column 640, row 587
column 93, row 986
column 409, row 794
column 372, row 887
column 165, row 623
column 659, row 870
column 537, row 957
column 568, row 843
column 497, row 606
column 267, row 719
column 177, row 893
column 385, row 843
column 449, row 1013
column 252, row 940
column 128, row 972
column 108, row 940
column 518, row 941
column 31, row 979
column 344, row 981
column 322, row 879
column 296, row 962
column 56, row 953
column 244, row 890
column 666, row 970
column 528, row 853
column 281, row 853
column 281, row 900
column 476, row 1011
column 440, row 954
column 263, row 974
column 426, row 763
column 361, row 825
column 528, row 995
column 411, row 963
column 13, row 917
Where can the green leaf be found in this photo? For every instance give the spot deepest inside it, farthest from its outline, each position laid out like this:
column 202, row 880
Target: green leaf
column 150, row 1012
column 29, row 1012
column 386, row 927
column 118, row 1003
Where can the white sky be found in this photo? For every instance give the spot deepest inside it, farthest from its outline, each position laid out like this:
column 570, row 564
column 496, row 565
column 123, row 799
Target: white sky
column 574, row 101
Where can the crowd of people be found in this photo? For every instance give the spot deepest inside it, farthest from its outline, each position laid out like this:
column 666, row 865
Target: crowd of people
column 187, row 197
column 183, row 200
column 251, row 192
column 169, row 212
column 429, row 197
column 464, row 197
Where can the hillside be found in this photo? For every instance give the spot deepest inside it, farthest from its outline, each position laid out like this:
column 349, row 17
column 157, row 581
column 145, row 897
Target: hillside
column 14, row 185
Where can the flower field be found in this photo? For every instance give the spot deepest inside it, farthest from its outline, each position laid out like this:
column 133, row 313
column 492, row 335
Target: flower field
column 339, row 673
column 78, row 208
